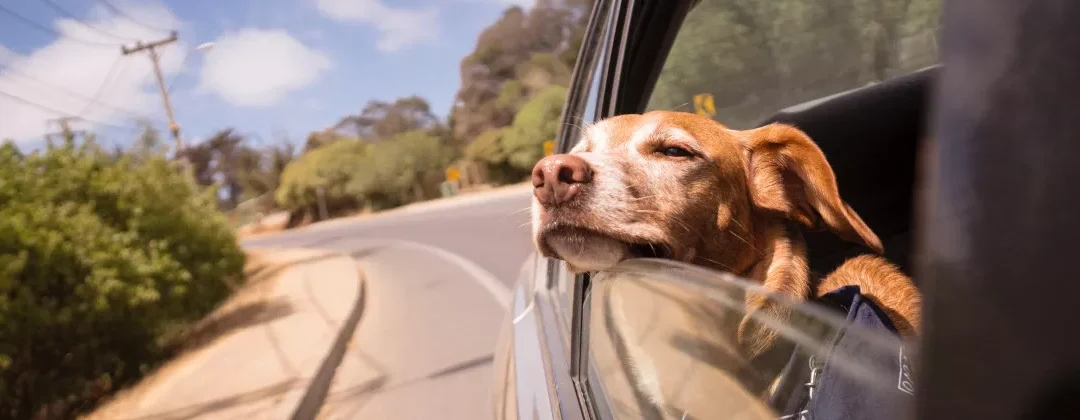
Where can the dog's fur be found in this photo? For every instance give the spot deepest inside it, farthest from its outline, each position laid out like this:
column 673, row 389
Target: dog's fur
column 734, row 201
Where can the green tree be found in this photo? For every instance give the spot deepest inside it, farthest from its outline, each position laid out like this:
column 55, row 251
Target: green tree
column 405, row 169
column 379, row 120
column 329, row 168
column 535, row 123
column 488, row 150
column 527, row 49
column 756, row 57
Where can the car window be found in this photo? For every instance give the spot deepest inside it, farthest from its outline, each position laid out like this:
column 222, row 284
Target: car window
column 662, row 345
column 582, row 114
column 740, row 61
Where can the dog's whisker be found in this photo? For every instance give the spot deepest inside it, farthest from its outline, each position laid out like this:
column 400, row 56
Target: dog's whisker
column 516, row 212
column 728, row 267
column 680, row 106
column 754, row 249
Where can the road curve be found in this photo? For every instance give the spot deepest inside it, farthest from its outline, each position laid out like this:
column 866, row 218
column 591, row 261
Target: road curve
column 438, row 281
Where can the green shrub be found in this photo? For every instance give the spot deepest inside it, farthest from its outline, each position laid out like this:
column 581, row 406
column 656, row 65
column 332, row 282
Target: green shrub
column 404, row 168
column 328, row 167
column 101, row 257
column 536, row 122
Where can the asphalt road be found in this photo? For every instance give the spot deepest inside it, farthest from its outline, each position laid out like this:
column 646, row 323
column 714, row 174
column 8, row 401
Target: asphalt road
column 438, row 278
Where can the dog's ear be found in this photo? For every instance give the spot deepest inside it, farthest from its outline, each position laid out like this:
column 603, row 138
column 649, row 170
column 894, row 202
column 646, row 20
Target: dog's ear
column 788, row 174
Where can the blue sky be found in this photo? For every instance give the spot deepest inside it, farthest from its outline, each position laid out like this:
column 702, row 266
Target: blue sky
column 277, row 67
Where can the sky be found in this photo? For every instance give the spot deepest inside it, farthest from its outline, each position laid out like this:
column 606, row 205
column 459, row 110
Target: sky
column 277, row 69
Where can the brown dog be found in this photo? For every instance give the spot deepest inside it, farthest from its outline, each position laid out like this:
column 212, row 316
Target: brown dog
column 681, row 186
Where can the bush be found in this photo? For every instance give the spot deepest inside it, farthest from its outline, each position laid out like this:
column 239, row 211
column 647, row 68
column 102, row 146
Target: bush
column 102, row 257
column 405, row 168
column 487, row 149
column 535, row 123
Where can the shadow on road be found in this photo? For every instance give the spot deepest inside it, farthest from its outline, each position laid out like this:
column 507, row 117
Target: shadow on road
column 196, row 410
column 233, row 319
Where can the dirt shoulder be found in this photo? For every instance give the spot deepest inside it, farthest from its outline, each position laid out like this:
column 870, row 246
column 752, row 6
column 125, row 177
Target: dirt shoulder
column 211, row 378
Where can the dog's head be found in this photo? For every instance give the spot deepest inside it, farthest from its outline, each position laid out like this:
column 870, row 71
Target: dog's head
column 681, row 186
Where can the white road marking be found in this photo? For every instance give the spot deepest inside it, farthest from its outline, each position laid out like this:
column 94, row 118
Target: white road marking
column 488, row 281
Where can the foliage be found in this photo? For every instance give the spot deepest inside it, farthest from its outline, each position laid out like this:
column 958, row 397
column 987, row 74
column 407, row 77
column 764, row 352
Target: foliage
column 101, row 255
column 488, row 150
column 535, row 123
column 353, row 173
column 756, row 57
column 403, row 170
column 240, row 170
column 379, row 120
column 329, row 167
column 515, row 58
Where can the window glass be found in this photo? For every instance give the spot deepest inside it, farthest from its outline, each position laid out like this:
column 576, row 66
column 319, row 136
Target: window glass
column 740, row 61
column 588, row 113
column 563, row 281
column 662, row 343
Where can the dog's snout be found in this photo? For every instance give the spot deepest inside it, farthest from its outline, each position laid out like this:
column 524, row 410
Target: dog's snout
column 557, row 179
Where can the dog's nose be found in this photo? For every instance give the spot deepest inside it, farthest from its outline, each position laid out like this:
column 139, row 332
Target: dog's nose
column 557, row 179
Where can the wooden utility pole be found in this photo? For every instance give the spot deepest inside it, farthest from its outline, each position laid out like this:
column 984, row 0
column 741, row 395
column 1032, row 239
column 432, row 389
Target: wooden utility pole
column 150, row 47
column 65, row 126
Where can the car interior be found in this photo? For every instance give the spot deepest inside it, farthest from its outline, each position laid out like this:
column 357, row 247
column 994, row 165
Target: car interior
column 871, row 137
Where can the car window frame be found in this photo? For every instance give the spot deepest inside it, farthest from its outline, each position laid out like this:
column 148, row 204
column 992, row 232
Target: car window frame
column 589, row 87
column 586, row 87
column 605, row 99
column 625, row 47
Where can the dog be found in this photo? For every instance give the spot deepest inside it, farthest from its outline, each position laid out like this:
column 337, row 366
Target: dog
column 684, row 187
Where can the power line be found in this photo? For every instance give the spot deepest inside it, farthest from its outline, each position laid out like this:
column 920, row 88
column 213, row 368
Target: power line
column 70, row 15
column 118, row 12
column 172, row 83
column 93, row 100
column 47, row 29
column 101, row 88
column 25, row 101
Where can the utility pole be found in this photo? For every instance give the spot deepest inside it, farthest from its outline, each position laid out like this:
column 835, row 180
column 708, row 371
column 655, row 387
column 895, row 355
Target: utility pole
column 64, row 123
column 151, row 48
column 65, row 127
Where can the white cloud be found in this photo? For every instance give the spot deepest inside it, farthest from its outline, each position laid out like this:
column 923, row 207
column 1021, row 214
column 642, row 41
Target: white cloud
column 257, row 68
column 73, row 72
column 7, row 56
column 524, row 4
column 398, row 27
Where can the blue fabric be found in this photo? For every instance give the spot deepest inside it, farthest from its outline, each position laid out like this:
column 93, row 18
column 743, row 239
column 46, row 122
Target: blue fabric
column 836, row 396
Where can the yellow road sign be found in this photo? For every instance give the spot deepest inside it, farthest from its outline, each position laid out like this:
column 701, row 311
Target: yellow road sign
column 549, row 147
column 452, row 174
column 705, row 105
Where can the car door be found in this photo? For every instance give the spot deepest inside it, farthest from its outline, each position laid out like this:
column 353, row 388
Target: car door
column 739, row 64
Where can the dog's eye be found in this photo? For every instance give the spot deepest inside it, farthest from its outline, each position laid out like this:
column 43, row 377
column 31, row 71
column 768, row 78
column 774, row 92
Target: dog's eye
column 673, row 151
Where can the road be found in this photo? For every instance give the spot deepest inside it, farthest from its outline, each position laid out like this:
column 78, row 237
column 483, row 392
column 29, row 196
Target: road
column 437, row 281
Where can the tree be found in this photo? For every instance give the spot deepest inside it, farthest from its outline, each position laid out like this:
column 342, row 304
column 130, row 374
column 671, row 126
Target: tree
column 527, row 51
column 405, row 169
column 379, row 120
column 756, row 57
column 488, row 150
column 329, row 168
column 535, row 123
